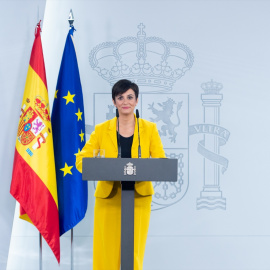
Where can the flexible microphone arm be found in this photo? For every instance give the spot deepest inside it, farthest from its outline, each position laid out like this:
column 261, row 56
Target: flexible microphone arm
column 139, row 147
column 118, row 135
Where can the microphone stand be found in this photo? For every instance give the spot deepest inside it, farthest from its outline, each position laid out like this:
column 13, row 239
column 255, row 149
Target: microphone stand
column 118, row 135
column 139, row 147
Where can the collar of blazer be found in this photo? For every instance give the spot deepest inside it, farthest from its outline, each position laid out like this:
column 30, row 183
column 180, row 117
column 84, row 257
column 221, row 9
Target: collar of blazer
column 112, row 131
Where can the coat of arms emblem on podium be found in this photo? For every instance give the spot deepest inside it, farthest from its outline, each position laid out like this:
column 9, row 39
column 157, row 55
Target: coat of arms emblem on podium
column 129, row 169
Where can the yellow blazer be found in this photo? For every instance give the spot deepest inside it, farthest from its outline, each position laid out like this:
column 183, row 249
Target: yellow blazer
column 104, row 137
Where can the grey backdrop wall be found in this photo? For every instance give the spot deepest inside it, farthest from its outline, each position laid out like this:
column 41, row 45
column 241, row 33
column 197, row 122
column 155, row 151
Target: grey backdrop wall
column 204, row 64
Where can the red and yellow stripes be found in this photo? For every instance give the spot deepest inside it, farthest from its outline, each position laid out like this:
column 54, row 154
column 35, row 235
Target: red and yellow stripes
column 34, row 181
column 36, row 202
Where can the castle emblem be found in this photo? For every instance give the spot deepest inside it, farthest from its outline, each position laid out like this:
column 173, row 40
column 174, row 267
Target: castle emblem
column 148, row 61
column 129, row 169
column 164, row 115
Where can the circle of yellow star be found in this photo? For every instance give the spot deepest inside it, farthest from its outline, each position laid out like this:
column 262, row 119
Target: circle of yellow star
column 55, row 95
column 67, row 169
column 79, row 151
column 79, row 114
column 82, row 136
column 69, row 98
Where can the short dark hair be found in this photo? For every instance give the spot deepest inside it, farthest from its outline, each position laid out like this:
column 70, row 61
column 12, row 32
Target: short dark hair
column 122, row 86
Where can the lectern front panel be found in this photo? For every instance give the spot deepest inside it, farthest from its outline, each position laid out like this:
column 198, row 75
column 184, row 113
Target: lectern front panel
column 130, row 169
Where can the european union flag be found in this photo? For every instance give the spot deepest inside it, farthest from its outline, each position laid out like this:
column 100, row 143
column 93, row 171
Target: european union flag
column 69, row 138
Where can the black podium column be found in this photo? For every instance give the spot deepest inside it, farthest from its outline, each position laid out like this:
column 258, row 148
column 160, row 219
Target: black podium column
column 127, row 225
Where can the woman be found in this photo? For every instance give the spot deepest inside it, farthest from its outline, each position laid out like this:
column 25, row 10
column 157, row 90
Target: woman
column 107, row 215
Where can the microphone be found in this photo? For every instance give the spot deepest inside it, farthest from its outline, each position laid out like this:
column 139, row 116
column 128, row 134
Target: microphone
column 139, row 147
column 118, row 135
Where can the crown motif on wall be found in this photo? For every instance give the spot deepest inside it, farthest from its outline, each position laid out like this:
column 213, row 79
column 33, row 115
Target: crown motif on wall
column 212, row 87
column 147, row 61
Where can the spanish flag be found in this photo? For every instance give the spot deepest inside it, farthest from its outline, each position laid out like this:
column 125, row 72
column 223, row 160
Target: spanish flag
column 33, row 180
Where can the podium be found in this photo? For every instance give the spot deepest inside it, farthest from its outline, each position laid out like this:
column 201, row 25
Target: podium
column 129, row 170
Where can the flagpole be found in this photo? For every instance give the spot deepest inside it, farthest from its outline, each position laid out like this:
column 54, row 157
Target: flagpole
column 71, row 263
column 71, row 20
column 40, row 251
